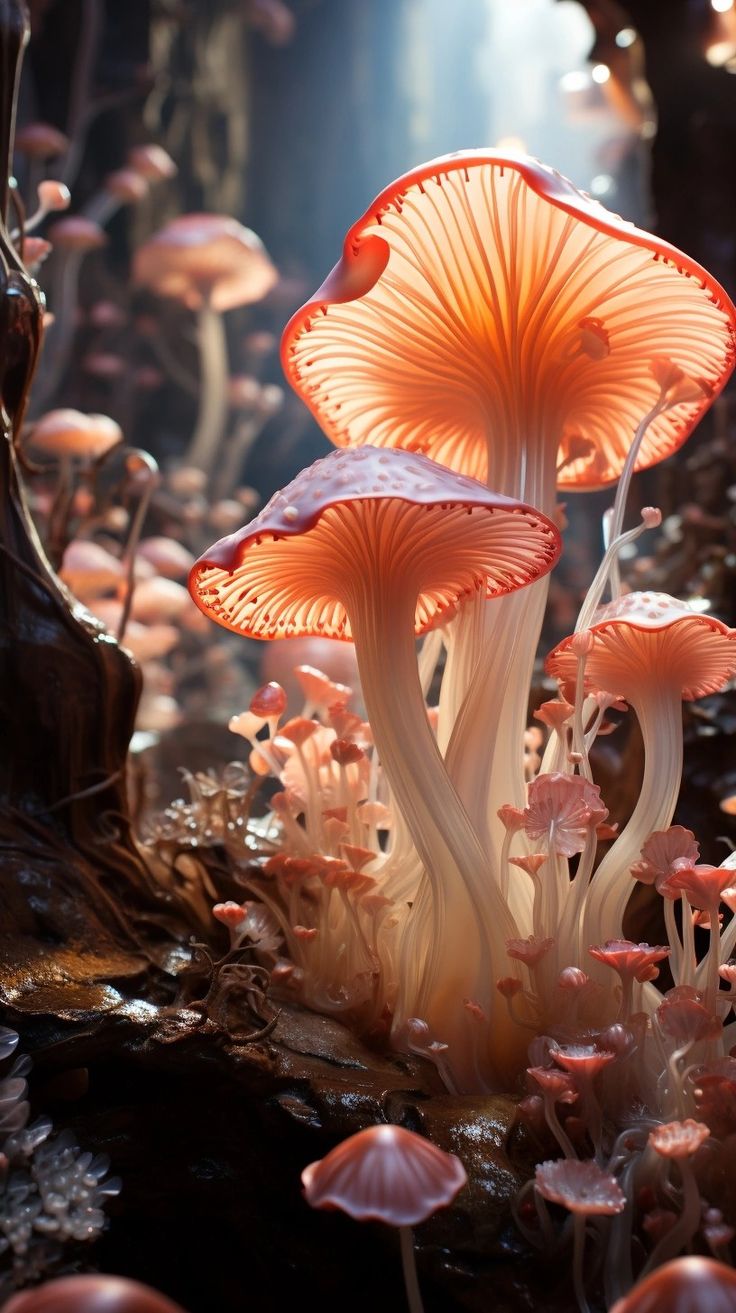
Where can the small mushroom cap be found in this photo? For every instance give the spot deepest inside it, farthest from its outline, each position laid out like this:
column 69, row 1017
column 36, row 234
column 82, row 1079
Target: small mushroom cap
column 169, row 556
column 679, row 1139
column 152, row 161
column 286, row 572
column 686, row 1285
column 69, row 432
column 646, row 639
column 480, row 259
column 91, row 1294
column 205, row 257
column 126, row 185
column 159, row 599
column 41, row 141
column 582, row 1187
column 385, row 1174
column 88, row 569
column 75, row 233
column 53, row 195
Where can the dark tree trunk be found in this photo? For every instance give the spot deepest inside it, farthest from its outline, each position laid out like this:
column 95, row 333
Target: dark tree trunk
column 68, row 693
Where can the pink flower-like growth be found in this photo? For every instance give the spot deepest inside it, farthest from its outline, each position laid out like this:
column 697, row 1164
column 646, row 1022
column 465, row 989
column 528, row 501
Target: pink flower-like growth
column 530, row 951
column 685, row 1019
column 631, row 961
column 662, row 853
column 565, row 810
column 554, row 713
column 581, row 1187
column 583, row 1061
column 702, row 885
column 385, row 1174
column 679, row 1139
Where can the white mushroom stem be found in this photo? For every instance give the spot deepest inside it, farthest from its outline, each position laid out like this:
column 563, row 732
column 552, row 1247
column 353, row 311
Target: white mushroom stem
column 492, row 658
column 466, row 919
column 409, row 1265
column 659, row 713
column 213, row 401
column 134, row 536
column 578, row 1249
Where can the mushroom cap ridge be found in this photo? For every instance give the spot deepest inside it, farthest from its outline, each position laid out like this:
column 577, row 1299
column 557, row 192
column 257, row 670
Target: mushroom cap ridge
column 695, row 651
column 250, row 581
column 385, row 1174
column 321, row 375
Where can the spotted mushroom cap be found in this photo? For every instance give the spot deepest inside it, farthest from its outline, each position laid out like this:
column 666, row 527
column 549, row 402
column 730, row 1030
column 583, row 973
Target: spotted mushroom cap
column 686, row 1285
column 287, row 572
column 385, row 1174
column 205, row 257
column 480, row 277
column 645, row 639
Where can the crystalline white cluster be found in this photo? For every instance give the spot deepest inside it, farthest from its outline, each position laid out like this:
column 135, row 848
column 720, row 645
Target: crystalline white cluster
column 51, row 1193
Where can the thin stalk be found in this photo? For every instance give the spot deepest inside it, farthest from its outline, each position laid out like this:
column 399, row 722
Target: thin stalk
column 213, row 404
column 659, row 712
column 462, row 917
column 578, row 1249
column 409, row 1264
column 134, row 538
column 238, row 446
column 686, row 1225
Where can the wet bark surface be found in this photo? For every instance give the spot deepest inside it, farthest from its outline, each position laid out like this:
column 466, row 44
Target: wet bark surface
column 210, row 1138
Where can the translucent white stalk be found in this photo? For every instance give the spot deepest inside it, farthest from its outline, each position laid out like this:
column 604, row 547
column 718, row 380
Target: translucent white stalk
column 659, row 712
column 468, row 921
column 213, row 403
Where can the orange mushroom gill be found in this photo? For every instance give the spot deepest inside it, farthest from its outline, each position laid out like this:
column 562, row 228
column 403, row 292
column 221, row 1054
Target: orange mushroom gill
column 377, row 545
column 653, row 651
column 487, row 313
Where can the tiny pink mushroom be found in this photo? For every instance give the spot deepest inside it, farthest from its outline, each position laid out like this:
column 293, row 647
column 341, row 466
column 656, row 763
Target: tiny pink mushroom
column 41, row 141
column 152, row 162
column 387, row 1174
column 75, row 233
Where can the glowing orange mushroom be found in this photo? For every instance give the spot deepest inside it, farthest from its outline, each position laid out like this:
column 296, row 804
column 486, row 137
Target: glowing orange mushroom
column 487, row 313
column 378, row 545
column 654, row 652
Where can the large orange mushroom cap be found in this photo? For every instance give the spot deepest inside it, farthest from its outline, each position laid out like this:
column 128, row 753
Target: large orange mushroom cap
column 483, row 301
column 205, row 258
column 645, row 641
column 287, row 572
